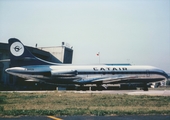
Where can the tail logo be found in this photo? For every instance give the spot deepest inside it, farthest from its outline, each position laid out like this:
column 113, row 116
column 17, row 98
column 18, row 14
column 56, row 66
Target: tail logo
column 17, row 49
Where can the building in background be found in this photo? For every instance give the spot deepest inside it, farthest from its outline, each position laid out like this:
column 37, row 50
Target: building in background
column 63, row 53
column 59, row 54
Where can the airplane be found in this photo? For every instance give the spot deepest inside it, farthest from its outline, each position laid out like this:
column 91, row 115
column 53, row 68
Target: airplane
column 25, row 65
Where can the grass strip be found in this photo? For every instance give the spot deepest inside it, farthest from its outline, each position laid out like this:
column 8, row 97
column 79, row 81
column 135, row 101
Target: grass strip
column 63, row 103
column 75, row 111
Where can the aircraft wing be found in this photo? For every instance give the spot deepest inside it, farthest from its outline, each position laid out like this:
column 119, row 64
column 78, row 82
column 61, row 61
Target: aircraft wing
column 119, row 79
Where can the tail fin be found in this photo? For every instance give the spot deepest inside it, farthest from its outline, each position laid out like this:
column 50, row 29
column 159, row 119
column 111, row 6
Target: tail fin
column 21, row 56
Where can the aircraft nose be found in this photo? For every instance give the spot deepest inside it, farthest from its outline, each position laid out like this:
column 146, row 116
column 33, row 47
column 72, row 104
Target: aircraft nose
column 164, row 74
column 8, row 70
column 13, row 70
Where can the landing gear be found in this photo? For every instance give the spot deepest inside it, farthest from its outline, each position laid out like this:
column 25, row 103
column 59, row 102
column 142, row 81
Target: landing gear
column 126, row 86
column 99, row 87
column 145, row 87
column 81, row 87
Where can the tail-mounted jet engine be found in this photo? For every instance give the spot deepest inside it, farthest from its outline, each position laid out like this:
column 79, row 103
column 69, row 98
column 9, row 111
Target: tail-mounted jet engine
column 64, row 73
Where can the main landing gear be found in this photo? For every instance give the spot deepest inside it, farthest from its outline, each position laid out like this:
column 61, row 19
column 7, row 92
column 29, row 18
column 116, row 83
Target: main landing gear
column 145, row 87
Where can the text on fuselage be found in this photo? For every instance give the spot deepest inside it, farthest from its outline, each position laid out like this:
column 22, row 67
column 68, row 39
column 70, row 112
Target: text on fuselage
column 110, row 69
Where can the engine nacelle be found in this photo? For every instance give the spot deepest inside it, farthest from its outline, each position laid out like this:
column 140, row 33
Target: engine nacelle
column 64, row 73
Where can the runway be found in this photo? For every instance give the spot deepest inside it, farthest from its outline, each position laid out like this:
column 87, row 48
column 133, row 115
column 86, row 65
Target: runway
column 131, row 92
column 118, row 92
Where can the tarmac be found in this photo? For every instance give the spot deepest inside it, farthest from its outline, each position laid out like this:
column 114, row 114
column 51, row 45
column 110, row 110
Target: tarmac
column 131, row 92
column 118, row 92
column 132, row 117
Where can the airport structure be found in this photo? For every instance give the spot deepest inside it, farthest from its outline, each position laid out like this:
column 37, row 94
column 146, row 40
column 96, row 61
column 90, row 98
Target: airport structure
column 62, row 53
column 57, row 54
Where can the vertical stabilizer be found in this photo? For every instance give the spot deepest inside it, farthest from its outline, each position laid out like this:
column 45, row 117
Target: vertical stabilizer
column 21, row 56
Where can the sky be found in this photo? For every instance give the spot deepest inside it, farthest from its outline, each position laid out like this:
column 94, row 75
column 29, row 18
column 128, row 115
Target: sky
column 123, row 31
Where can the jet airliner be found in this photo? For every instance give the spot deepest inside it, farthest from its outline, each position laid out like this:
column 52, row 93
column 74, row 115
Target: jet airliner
column 25, row 65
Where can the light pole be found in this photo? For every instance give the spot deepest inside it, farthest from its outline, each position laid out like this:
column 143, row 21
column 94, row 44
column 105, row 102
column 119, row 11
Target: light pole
column 98, row 54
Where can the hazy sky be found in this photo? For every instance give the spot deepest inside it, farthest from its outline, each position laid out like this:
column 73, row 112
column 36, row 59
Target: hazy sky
column 135, row 31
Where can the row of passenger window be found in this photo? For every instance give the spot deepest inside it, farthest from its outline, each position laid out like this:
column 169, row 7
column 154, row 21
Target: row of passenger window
column 120, row 72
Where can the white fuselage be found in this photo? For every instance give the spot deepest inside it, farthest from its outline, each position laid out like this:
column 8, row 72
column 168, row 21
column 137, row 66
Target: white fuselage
column 86, row 74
